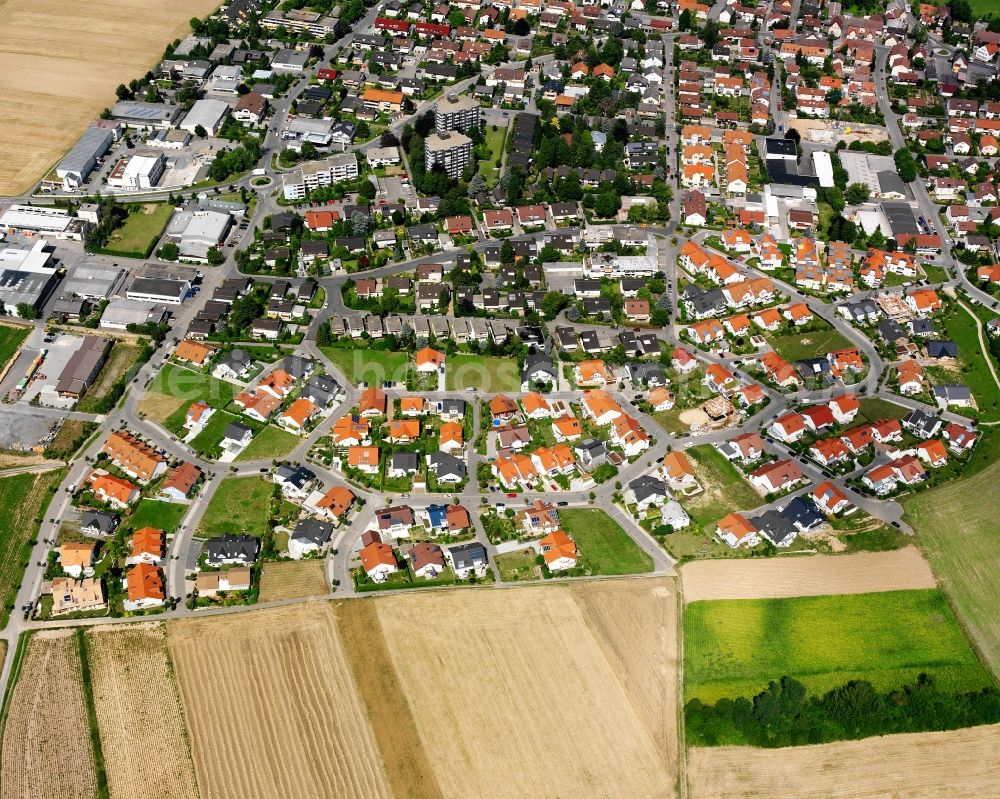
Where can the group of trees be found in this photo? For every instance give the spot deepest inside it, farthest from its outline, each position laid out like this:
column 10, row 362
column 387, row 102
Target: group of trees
column 233, row 161
column 784, row 715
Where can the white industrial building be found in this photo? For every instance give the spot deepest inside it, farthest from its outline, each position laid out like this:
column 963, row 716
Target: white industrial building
column 165, row 290
column 92, row 281
column 145, row 115
column 225, row 79
column 120, row 313
column 33, row 219
column 196, row 232
column 138, row 173
column 315, row 174
column 79, row 162
column 304, row 129
column 27, row 276
column 209, row 114
column 824, row 168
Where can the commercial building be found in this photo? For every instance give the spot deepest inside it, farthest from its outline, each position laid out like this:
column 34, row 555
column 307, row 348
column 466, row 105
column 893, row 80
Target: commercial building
column 137, row 173
column 289, row 61
column 32, row 219
column 315, row 174
column 79, row 162
column 456, row 112
column 452, row 151
column 83, row 366
column 27, row 276
column 146, row 115
column 208, row 114
column 120, row 313
column 196, row 232
column 159, row 290
column 301, row 20
column 92, row 281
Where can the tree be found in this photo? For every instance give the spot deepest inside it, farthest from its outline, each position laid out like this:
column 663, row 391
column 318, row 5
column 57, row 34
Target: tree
column 388, row 139
column 215, row 257
column 476, row 185
column 367, row 190
column 553, row 302
column 200, row 132
column 359, row 224
column 169, row 251
column 835, row 198
column 684, row 23
column 323, row 336
column 26, row 310
column 607, row 204
column 906, row 166
column 243, row 311
column 122, row 92
column 857, row 193
column 506, row 252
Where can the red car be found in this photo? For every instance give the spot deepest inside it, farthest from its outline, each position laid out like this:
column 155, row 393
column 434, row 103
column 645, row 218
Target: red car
column 512, row 496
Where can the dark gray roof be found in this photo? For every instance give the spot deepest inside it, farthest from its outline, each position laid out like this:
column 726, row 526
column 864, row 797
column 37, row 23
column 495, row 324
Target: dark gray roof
column 803, row 514
column 465, row 556
column 441, row 463
column 232, row 547
column 647, row 486
column 314, row 531
column 405, row 461
column 775, row 526
column 96, row 520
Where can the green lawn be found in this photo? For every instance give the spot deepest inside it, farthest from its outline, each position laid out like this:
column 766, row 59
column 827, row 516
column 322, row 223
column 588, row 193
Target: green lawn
column 960, row 327
column 875, row 408
column 605, row 548
column 726, row 490
column 495, row 141
column 160, row 515
column 140, row 232
column 10, row 339
column 957, row 527
column 207, row 442
column 178, row 381
column 934, row 274
column 239, row 505
column 23, row 501
column 486, row 373
column 797, row 345
column 271, row 442
column 517, row 566
column 734, row 648
column 369, row 366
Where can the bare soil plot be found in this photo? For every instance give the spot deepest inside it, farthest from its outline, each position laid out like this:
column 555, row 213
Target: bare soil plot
column 292, row 579
column 46, row 743
column 61, row 63
column 406, row 763
column 959, row 764
column 815, row 575
column 131, row 675
column 272, row 707
column 515, row 695
column 635, row 622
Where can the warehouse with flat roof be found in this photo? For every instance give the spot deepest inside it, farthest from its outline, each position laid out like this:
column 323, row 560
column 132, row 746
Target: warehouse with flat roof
column 27, row 276
column 209, row 114
column 159, row 289
column 146, row 115
column 92, row 281
column 79, row 162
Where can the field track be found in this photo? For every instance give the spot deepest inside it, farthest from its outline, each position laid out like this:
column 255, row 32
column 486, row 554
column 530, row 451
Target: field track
column 959, row 764
column 272, row 708
column 816, row 575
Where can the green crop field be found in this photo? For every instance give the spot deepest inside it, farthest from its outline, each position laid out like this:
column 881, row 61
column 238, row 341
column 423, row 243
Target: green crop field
column 178, row 381
column 140, row 232
column 10, row 339
column 726, row 490
column 734, row 648
column 239, row 505
column 271, row 442
column 797, row 345
column 605, row 548
column 486, row 373
column 159, row 515
column 956, row 524
column 23, row 500
column 369, row 366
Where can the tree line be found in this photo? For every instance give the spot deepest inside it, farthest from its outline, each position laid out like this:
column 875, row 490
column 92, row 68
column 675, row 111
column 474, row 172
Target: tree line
column 784, row 715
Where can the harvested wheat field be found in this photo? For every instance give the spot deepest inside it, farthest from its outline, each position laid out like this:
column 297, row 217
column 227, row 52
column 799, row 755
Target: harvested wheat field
column 516, row 694
column 292, row 579
column 272, row 708
column 61, row 63
column 813, row 575
column 130, row 673
column 959, row 764
column 46, row 741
